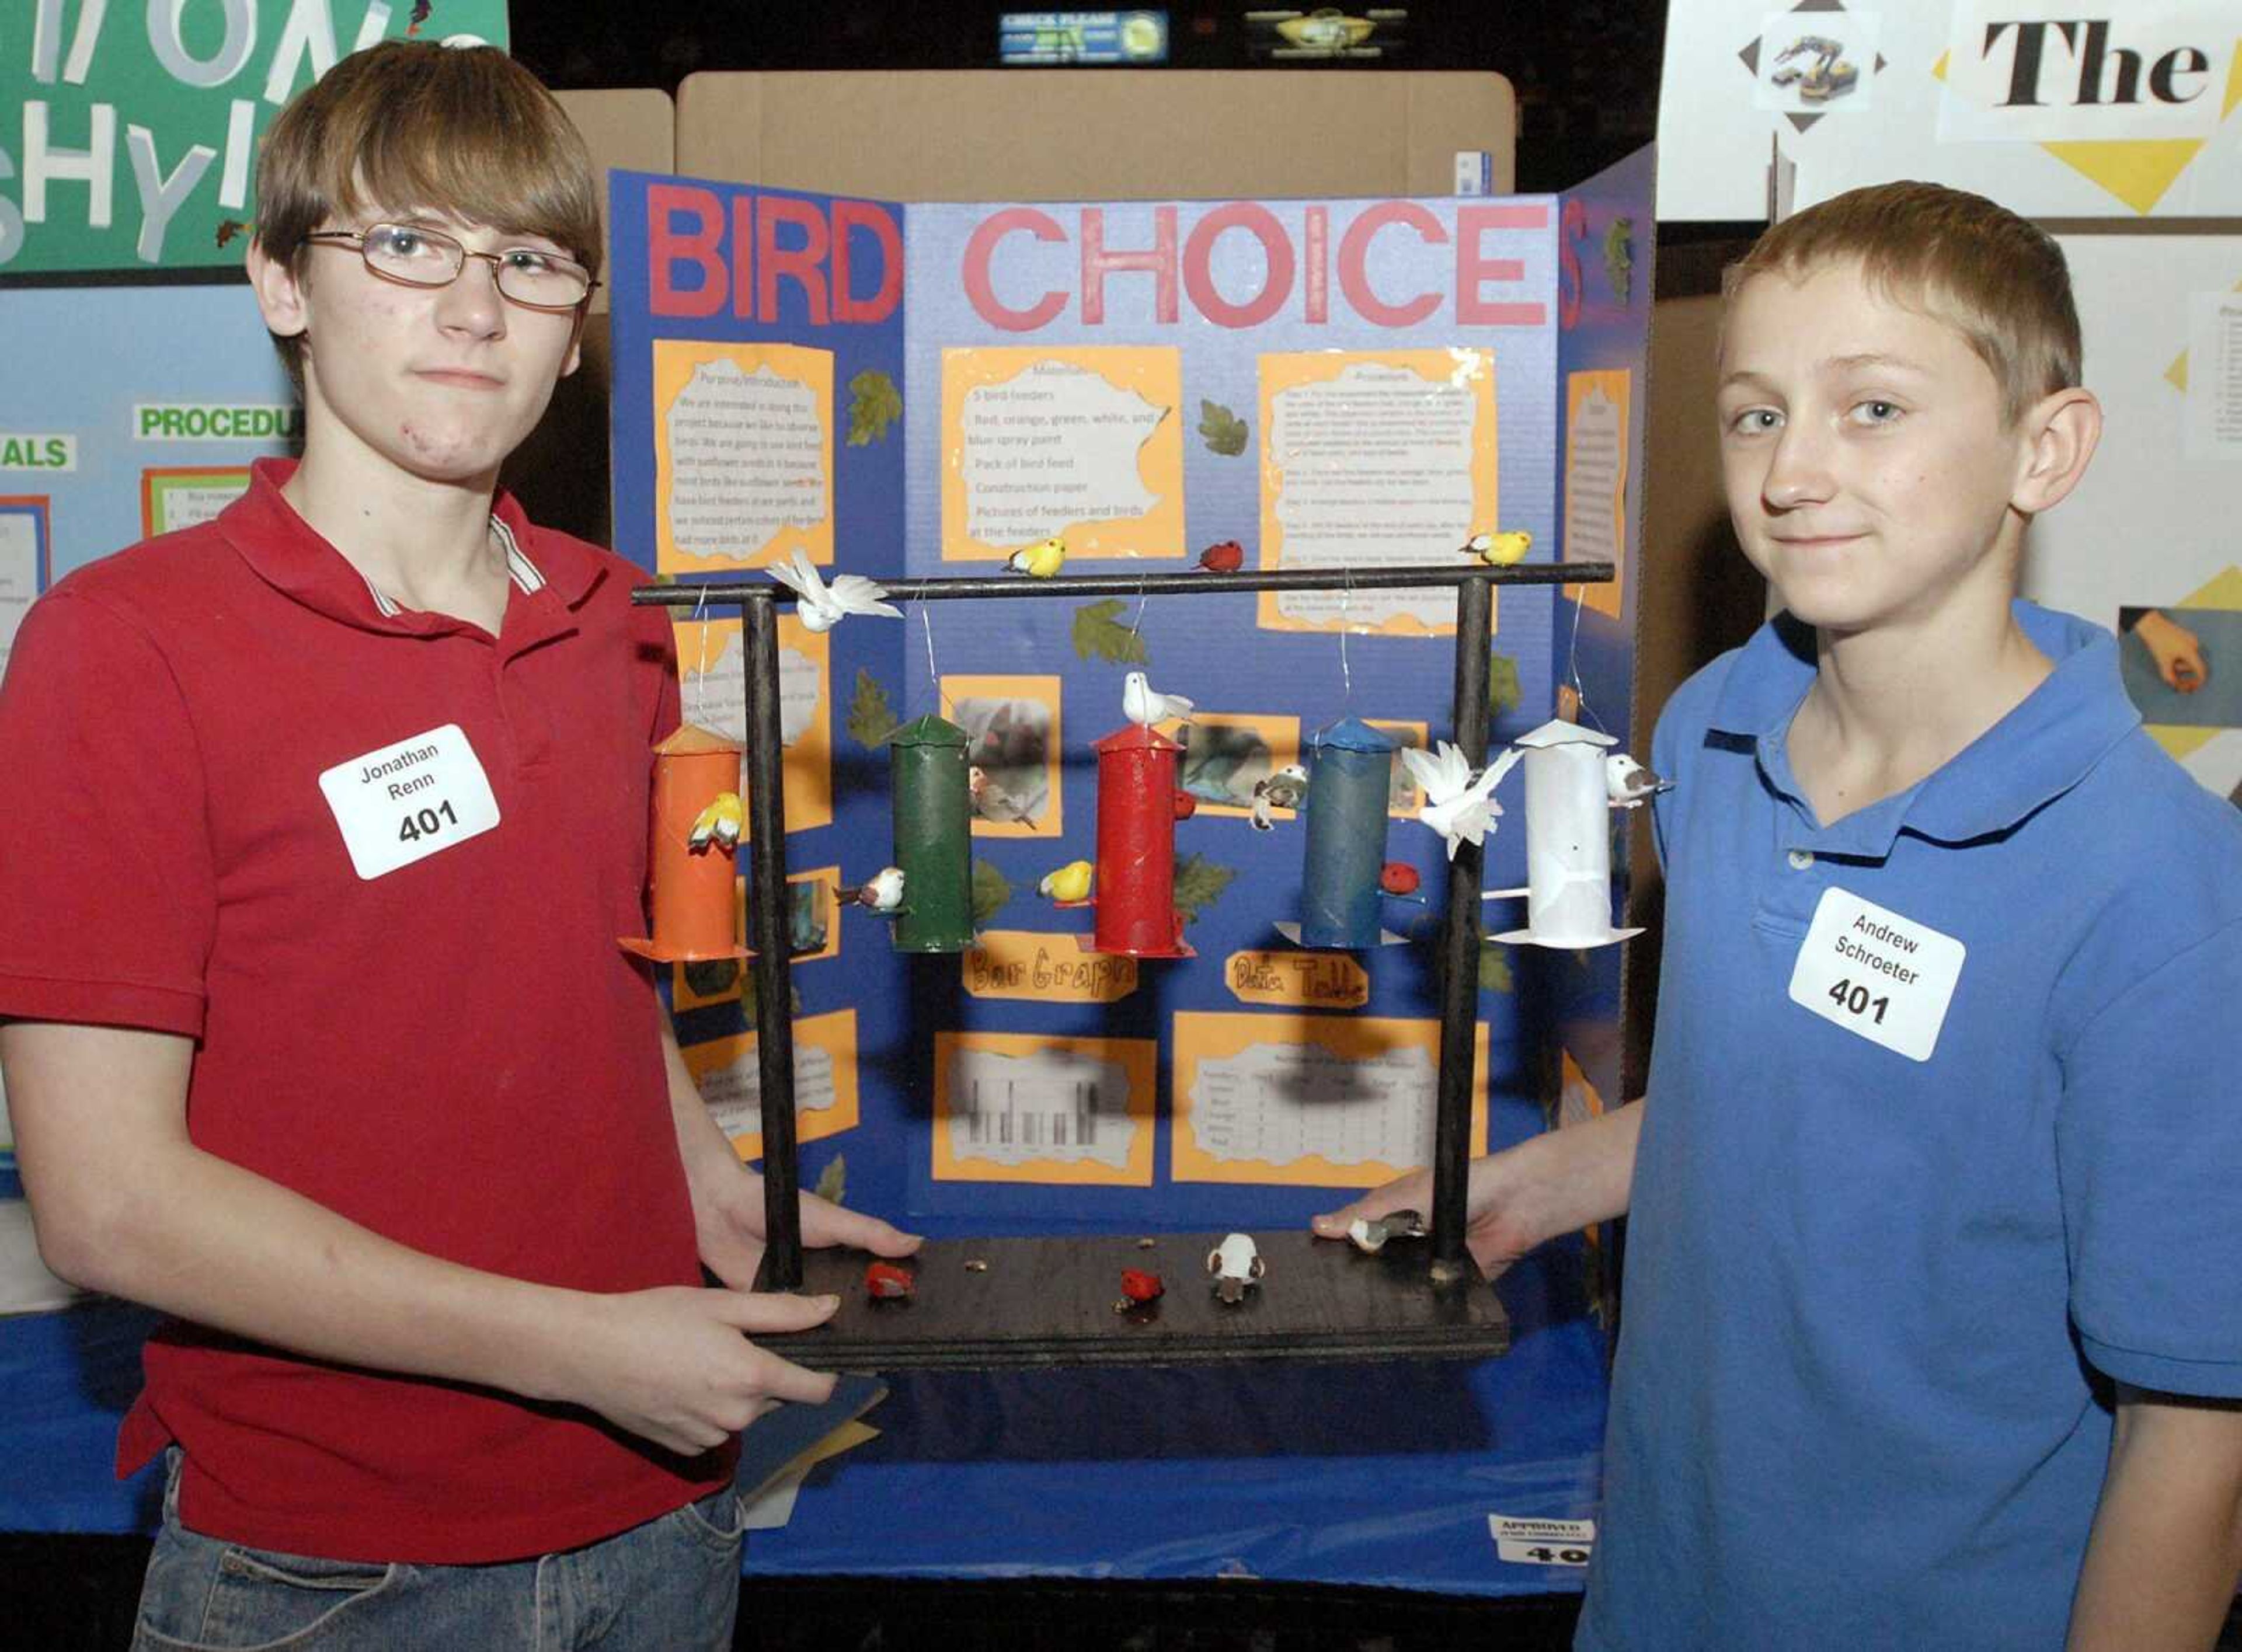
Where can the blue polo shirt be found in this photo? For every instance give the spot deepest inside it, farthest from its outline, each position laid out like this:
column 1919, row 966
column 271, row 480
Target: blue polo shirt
column 1873, row 1294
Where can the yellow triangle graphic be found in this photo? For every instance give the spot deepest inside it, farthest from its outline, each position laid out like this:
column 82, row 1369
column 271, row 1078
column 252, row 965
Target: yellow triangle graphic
column 2233, row 83
column 2136, row 171
column 2176, row 376
column 2224, row 591
column 2177, row 740
column 1938, row 73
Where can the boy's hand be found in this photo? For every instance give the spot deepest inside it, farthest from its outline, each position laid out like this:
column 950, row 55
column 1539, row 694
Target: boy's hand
column 729, row 1223
column 674, row 1365
column 2177, row 650
column 1492, row 1231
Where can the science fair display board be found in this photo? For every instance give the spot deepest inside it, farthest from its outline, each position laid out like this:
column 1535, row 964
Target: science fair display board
column 908, row 391
column 2120, row 128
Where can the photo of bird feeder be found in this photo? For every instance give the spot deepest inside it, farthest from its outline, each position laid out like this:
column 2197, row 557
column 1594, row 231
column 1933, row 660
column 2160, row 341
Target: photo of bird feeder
column 1569, row 897
column 933, row 807
column 1350, row 776
column 1137, row 807
column 694, row 832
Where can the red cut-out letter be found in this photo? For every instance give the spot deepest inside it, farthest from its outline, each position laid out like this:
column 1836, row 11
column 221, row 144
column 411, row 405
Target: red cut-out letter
column 1571, row 228
column 1474, row 272
column 1315, row 253
column 1097, row 261
column 1277, row 250
column 1354, row 254
column 847, row 306
column 666, row 248
column 978, row 247
column 804, row 265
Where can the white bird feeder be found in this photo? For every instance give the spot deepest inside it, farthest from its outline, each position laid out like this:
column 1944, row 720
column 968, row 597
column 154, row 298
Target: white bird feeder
column 1567, row 841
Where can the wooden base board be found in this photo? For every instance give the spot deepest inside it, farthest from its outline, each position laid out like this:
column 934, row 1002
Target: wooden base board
column 1052, row 1301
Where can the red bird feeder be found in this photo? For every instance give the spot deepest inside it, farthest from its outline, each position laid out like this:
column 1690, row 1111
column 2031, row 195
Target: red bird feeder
column 1136, row 897
column 692, row 905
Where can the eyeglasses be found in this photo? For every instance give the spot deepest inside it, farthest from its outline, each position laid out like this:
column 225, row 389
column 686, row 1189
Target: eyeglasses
column 528, row 276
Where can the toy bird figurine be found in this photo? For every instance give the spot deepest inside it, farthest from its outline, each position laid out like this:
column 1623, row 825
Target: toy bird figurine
column 884, row 894
column 1459, row 805
column 1070, row 883
column 1236, row 1265
column 720, row 823
column 1226, row 556
column 1039, row 561
column 1144, row 705
column 1369, row 1234
column 1498, row 550
column 822, row 607
column 1628, row 784
column 1284, row 790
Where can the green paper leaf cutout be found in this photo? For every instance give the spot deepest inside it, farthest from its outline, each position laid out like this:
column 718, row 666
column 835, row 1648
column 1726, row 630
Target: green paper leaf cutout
column 1100, row 634
column 1223, row 431
column 874, row 404
column 871, row 720
column 1199, row 883
column 1503, row 691
column 1618, row 256
column 991, row 892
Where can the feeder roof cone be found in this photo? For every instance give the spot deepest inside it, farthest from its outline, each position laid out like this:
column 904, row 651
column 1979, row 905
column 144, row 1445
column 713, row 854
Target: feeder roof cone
column 1135, row 737
column 1557, row 732
column 691, row 740
column 1352, row 734
column 929, row 730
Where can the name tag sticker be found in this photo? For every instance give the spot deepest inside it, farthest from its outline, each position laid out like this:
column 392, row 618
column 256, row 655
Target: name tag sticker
column 409, row 800
column 1885, row 977
column 1542, row 1542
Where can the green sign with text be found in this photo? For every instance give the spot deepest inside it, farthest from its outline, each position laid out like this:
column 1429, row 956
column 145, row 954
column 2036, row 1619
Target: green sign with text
column 136, row 144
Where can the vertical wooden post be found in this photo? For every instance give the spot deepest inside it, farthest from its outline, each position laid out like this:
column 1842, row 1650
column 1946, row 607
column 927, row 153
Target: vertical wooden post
column 767, row 934
column 1460, row 944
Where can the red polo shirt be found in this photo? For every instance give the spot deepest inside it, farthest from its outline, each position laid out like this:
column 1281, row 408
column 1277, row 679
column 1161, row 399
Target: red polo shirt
column 216, row 744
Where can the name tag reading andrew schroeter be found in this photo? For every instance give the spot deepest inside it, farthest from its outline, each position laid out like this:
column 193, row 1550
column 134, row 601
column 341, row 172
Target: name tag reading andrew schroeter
column 1875, row 973
column 409, row 800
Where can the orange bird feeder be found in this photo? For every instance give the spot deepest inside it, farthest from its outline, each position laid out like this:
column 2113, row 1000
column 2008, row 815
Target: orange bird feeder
column 692, row 905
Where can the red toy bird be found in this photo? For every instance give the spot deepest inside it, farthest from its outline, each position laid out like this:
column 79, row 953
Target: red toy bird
column 885, row 1280
column 1225, row 557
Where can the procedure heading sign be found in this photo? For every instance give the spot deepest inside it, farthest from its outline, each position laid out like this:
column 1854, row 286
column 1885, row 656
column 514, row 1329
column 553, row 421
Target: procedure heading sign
column 128, row 128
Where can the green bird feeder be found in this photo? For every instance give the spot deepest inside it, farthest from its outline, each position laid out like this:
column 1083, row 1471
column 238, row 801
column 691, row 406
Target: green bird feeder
column 933, row 831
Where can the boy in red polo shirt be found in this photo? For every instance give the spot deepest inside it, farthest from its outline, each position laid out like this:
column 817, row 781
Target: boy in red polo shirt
column 385, row 1117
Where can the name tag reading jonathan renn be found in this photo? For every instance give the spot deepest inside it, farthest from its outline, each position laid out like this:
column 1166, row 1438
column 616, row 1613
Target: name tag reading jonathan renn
column 409, row 800
column 1875, row 973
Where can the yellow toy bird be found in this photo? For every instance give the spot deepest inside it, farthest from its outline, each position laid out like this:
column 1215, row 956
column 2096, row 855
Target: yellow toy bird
column 720, row 823
column 1499, row 550
column 1040, row 561
column 1070, row 883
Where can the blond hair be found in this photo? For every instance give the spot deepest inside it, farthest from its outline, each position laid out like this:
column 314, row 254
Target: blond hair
column 1958, row 257
column 409, row 124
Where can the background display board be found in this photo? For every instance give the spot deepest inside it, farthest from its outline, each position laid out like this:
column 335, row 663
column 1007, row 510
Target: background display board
column 924, row 390
column 2054, row 109
column 136, row 143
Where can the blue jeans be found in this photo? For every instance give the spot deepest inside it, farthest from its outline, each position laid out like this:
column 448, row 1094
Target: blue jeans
column 671, row 1585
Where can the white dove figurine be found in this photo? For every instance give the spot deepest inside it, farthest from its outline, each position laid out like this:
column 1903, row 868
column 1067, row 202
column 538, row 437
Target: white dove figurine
column 1144, row 705
column 1459, row 805
column 1628, row 784
column 822, row 607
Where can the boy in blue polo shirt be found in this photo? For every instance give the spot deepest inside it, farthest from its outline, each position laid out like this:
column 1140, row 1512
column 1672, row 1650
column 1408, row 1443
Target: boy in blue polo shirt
column 1933, row 1316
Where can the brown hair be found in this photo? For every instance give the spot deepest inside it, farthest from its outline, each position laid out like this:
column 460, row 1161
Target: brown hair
column 410, row 123
column 1998, row 281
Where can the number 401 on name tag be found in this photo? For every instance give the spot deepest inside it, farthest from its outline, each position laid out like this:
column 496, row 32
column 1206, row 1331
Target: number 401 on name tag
column 409, row 800
column 1876, row 974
